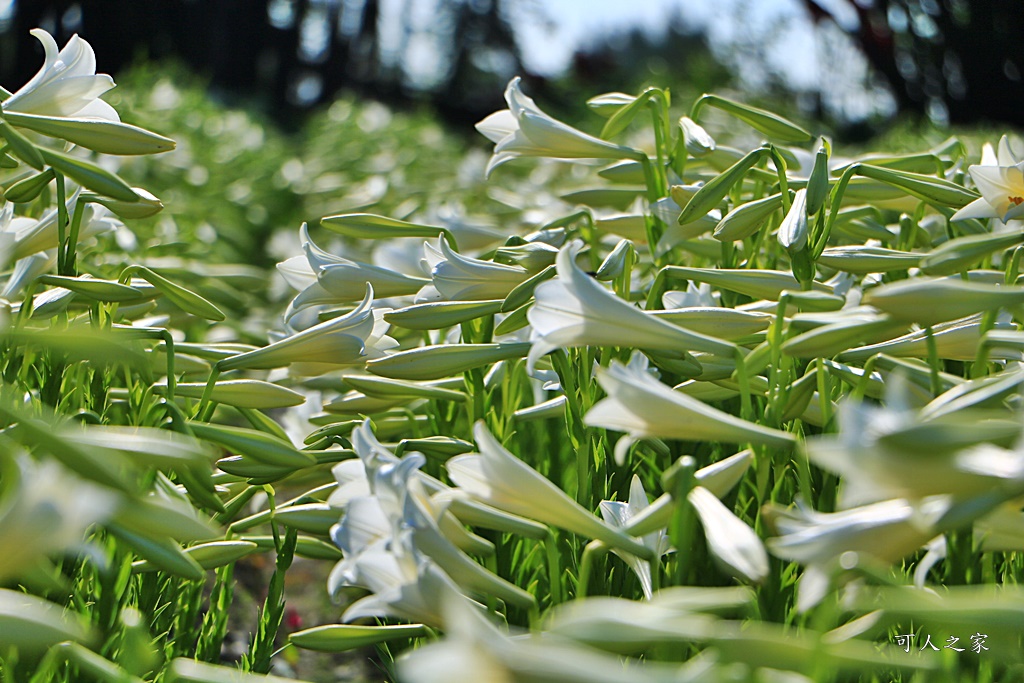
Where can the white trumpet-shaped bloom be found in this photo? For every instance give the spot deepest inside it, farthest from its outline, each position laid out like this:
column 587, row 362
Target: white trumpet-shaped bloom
column 575, row 310
column 523, row 130
column 404, row 584
column 884, row 453
column 619, row 514
column 1001, row 183
column 45, row 510
column 33, row 235
column 730, row 540
column 461, row 278
column 66, row 85
column 347, row 340
column 643, row 407
column 475, row 651
column 498, row 478
column 884, row 532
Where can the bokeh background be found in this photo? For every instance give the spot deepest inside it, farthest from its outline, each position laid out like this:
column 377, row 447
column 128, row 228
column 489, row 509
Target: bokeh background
column 855, row 65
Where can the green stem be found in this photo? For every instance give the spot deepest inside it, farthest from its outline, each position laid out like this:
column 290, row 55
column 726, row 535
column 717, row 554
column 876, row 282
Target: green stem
column 780, row 170
column 775, row 339
column 1013, row 268
column 594, row 550
column 824, row 394
column 933, row 361
column 62, row 223
column 71, row 250
column 835, row 202
column 554, row 567
column 681, row 528
column 746, row 407
column 172, row 381
column 206, row 407
column 980, row 367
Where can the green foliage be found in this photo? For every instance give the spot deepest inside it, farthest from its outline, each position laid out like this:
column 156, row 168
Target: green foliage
column 802, row 396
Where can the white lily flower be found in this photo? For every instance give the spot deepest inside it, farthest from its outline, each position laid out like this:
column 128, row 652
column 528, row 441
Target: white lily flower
column 354, row 477
column 575, row 310
column 403, row 583
column 26, row 270
column 730, row 540
column 33, row 235
column 475, row 651
column 66, row 85
column 877, row 456
column 45, row 510
column 523, row 130
column 461, row 278
column 337, row 279
column 364, row 525
column 297, row 272
column 695, row 296
column 885, row 532
column 1001, row 185
column 498, row 478
column 643, row 407
column 619, row 514
column 347, row 340
column 399, row 506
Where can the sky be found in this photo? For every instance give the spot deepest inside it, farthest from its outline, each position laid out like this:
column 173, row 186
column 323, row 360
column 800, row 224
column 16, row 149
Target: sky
column 779, row 32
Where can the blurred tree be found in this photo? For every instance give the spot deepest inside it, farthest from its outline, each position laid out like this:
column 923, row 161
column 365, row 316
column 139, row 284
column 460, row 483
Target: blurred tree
column 956, row 61
column 291, row 53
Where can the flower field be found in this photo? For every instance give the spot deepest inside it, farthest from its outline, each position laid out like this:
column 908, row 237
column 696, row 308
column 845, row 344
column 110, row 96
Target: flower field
column 694, row 396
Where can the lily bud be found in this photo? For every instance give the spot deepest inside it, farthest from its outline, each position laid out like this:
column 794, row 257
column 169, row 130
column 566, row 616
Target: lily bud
column 698, row 142
column 817, row 184
column 147, row 205
column 99, row 135
column 715, row 190
column 744, row 220
column 444, row 360
column 914, row 300
column 257, row 445
column 793, row 231
column 961, row 252
column 863, row 259
column 772, row 125
column 29, row 188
